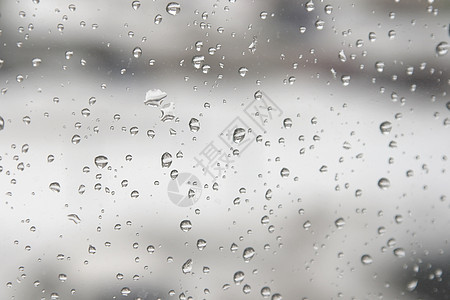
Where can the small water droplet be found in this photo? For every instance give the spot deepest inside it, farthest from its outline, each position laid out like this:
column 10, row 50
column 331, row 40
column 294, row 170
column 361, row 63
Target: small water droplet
column 265, row 292
column 137, row 52
column 442, row 48
column 385, row 127
column 284, row 172
column 379, row 66
column 92, row 249
column 74, row 218
column 345, row 79
column 62, row 277
column 185, row 225
column 411, row 286
column 125, row 291
column 307, row 225
column 187, row 266
column 166, row 160
column 384, row 183
column 36, row 62
column 287, row 123
column 238, row 135
column 268, row 194
column 243, row 71
column 238, row 277
column 366, row 259
column 136, row 4
column 154, row 97
column 399, row 252
column 342, row 56
column 309, row 6
column 55, row 186
column 101, row 161
column 194, row 125
column 248, row 254
column 173, row 8
column 158, row 19
column 201, row 244
column 76, row 139
column 339, row 223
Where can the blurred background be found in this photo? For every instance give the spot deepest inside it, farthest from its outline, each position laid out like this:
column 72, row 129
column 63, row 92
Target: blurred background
column 224, row 149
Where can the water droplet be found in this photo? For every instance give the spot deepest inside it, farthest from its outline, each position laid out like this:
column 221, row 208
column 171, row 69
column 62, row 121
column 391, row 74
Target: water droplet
column 307, row 225
column 384, row 183
column 173, row 8
column 197, row 61
column 442, row 48
column 287, row 123
column 372, row 36
column 187, row 266
column 74, row 218
column 166, row 160
column 92, row 250
column 309, row 6
column 385, row 127
column 194, row 125
column 201, row 244
column 248, row 254
column 328, row 9
column 238, row 135
column 319, row 24
column 366, row 259
column 342, row 56
column 243, row 71
column 137, row 52
column 345, row 79
column 268, row 194
column 258, row 95
column 284, row 172
column 158, row 19
column 36, row 62
column 263, row 15
column 72, row 7
column 150, row 249
column 238, row 277
column 339, row 223
column 2, row 123
column 265, row 292
column 185, row 225
column 69, row 54
column 76, row 139
column 411, row 286
column 54, row 186
column 101, row 161
column 125, row 291
column 134, row 194
column 62, row 277
column 136, row 4
column 379, row 66
column 399, row 252
column 154, row 97
column 247, row 289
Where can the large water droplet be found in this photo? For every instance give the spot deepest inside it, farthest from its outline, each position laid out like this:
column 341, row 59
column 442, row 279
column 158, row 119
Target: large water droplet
column 284, row 172
column 339, row 223
column 309, row 6
column 173, row 8
column 101, row 161
column 125, row 291
column 411, row 286
column 238, row 135
column 265, row 292
column 243, row 71
column 201, row 244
